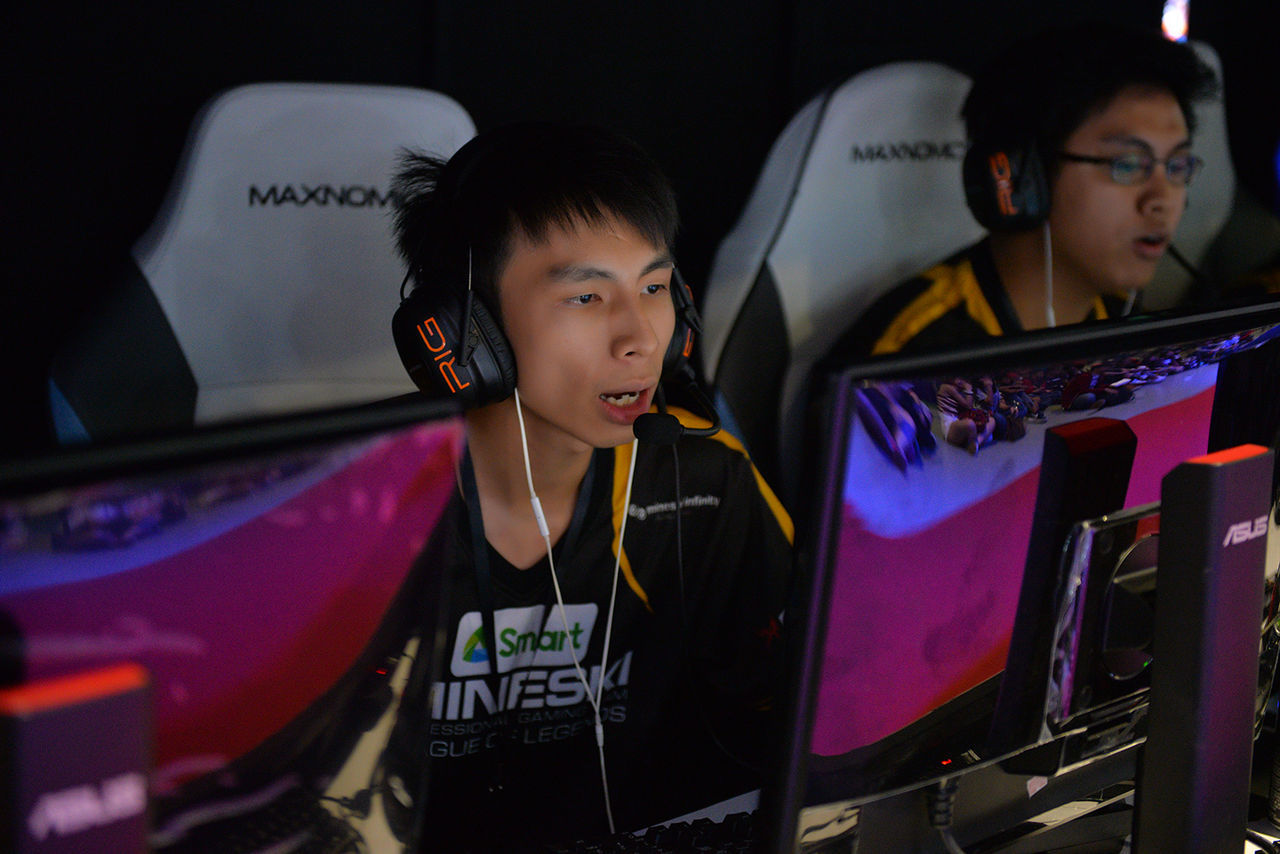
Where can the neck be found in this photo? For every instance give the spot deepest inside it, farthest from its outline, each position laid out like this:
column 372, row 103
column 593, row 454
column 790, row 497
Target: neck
column 1020, row 261
column 558, row 466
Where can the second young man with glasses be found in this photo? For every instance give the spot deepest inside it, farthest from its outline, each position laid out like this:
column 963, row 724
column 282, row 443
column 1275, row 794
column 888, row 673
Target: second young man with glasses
column 1080, row 158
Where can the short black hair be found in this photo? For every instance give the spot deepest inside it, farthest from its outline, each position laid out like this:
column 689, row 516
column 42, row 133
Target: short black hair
column 531, row 176
column 1043, row 87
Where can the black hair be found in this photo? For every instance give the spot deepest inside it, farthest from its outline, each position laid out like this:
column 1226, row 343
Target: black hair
column 1041, row 88
column 531, row 176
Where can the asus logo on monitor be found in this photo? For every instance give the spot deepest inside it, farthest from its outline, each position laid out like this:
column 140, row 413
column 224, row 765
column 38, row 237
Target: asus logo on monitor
column 80, row 808
column 1243, row 532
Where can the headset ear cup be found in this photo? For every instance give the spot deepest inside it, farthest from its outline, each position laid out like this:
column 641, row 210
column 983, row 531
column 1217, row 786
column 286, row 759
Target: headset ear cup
column 1006, row 187
column 678, row 350
column 427, row 331
column 493, row 361
column 977, row 189
column 688, row 324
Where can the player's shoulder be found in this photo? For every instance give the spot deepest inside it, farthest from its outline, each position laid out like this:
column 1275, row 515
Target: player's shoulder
column 718, row 458
column 721, row 464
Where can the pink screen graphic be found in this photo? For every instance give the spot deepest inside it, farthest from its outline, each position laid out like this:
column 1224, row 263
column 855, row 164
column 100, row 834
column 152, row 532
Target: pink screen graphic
column 929, row 561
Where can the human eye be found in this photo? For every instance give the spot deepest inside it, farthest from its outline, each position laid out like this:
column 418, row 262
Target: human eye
column 655, row 288
column 1181, row 167
column 582, row 299
column 1130, row 168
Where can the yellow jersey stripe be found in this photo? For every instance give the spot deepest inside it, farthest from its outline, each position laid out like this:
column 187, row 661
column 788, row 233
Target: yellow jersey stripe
column 951, row 287
column 621, row 463
column 730, row 441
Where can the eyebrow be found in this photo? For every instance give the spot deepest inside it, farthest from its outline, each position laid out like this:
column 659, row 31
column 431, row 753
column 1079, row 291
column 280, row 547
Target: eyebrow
column 1139, row 142
column 585, row 272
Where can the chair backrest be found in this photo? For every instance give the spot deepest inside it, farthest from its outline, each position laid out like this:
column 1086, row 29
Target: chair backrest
column 268, row 280
column 862, row 189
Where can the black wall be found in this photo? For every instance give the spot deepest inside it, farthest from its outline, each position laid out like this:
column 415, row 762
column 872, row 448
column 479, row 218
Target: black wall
column 98, row 98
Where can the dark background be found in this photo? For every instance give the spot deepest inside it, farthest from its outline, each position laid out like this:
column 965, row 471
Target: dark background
column 98, row 99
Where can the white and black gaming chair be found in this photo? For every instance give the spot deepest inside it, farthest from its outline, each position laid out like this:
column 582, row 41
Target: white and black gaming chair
column 268, row 280
column 861, row 190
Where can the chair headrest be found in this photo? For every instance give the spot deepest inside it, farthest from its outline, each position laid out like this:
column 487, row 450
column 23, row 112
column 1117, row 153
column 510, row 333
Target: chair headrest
column 862, row 189
column 272, row 257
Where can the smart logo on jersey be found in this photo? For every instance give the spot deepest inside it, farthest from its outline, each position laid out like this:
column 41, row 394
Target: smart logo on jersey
column 535, row 636
column 474, row 651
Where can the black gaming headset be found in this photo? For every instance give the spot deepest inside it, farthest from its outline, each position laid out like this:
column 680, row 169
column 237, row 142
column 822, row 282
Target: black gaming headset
column 1006, row 185
column 452, row 345
column 451, row 342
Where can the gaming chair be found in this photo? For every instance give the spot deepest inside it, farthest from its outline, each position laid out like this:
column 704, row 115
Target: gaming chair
column 262, row 285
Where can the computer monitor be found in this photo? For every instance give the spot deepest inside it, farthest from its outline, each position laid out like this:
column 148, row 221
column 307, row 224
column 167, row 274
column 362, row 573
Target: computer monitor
column 914, row 559
column 276, row 581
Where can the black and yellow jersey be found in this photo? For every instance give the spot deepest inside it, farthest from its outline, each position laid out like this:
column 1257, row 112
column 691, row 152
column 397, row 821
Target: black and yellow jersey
column 694, row 658
column 953, row 303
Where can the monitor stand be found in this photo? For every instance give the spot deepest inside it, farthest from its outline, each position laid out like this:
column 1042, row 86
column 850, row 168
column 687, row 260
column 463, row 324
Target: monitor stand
column 1194, row 770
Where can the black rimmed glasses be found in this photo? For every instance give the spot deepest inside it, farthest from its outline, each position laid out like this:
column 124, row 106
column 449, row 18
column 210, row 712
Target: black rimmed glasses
column 1136, row 168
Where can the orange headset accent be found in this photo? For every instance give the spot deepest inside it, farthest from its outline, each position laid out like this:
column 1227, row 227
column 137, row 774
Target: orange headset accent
column 444, row 359
column 1002, row 172
column 432, row 326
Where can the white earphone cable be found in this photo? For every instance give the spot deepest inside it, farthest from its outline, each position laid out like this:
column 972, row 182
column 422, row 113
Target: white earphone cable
column 544, row 530
column 617, row 564
column 1131, row 299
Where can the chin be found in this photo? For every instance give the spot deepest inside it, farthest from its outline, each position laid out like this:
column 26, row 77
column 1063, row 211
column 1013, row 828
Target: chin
column 1132, row 280
column 620, row 435
column 624, row 437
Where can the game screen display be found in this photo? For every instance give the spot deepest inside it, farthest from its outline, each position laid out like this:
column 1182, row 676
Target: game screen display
column 937, row 478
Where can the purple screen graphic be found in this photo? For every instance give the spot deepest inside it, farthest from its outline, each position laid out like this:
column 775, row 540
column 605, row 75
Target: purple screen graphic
column 930, row 547
column 244, row 589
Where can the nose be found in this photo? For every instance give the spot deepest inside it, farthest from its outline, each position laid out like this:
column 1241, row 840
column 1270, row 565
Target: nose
column 633, row 331
column 1160, row 195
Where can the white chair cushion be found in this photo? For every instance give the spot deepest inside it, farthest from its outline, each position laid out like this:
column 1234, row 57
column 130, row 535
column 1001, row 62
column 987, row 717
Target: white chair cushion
column 273, row 258
column 862, row 189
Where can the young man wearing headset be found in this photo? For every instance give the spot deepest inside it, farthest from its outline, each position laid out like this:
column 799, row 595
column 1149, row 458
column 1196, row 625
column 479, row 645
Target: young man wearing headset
column 1078, row 164
column 613, row 650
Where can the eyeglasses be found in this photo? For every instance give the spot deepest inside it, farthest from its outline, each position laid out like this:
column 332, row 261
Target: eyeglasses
column 1135, row 168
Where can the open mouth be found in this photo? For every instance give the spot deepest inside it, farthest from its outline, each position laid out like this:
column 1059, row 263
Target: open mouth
column 621, row 399
column 1151, row 246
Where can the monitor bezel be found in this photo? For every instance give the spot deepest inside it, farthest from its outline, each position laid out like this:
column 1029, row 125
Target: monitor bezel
column 71, row 465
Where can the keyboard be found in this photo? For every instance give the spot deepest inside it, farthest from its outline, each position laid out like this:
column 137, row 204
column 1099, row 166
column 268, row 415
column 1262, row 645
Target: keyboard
column 733, row 833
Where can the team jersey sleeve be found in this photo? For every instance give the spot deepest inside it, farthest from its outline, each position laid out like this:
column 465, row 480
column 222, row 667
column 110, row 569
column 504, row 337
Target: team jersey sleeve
column 745, row 579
